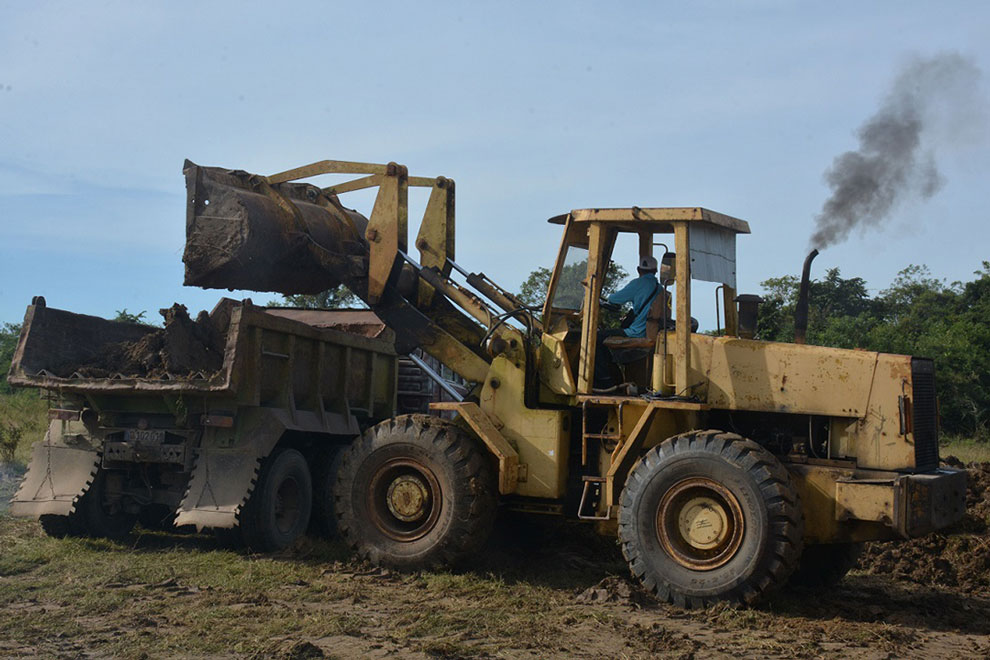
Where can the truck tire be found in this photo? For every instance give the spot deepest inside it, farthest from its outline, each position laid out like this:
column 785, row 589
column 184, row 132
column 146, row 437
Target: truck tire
column 825, row 565
column 277, row 512
column 710, row 516
column 59, row 527
column 415, row 492
column 95, row 517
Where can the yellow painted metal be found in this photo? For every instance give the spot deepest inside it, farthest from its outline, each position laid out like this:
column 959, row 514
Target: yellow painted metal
column 634, row 215
column 356, row 184
column 540, row 436
column 816, row 484
column 464, row 298
column 731, row 311
column 387, row 231
column 682, row 335
column 878, row 441
column 454, row 354
column 487, row 430
column 874, row 501
column 745, row 374
column 327, row 167
column 435, row 240
column 592, row 291
column 554, row 367
column 567, row 237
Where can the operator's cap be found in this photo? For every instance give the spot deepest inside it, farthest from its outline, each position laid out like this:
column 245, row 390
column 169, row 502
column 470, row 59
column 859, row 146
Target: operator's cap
column 648, row 263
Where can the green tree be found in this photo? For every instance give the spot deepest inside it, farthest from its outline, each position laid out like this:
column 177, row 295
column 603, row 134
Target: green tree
column 9, row 334
column 126, row 317
column 334, row 298
column 533, row 291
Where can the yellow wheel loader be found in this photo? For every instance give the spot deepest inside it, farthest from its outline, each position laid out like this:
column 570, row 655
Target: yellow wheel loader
column 724, row 464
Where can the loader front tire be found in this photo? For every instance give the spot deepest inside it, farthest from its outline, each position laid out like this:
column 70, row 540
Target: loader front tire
column 710, row 516
column 415, row 492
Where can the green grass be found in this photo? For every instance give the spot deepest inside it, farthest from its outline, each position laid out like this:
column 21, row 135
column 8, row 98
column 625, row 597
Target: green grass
column 23, row 420
column 967, row 450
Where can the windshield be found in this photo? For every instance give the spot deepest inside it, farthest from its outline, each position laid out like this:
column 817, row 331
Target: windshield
column 569, row 293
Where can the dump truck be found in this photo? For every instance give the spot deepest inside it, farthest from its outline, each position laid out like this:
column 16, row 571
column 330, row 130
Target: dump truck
column 235, row 430
column 725, row 466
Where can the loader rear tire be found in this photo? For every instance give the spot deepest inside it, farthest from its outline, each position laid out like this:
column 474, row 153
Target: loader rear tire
column 825, row 565
column 415, row 492
column 710, row 516
column 277, row 512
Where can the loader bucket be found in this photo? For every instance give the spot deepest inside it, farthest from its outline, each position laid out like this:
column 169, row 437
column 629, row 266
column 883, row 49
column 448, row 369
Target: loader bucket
column 243, row 233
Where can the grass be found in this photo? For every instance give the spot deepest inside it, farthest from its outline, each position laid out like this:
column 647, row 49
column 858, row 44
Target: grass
column 23, row 420
column 967, row 450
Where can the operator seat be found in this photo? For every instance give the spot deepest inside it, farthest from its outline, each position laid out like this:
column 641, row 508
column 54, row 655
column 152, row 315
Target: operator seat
column 654, row 319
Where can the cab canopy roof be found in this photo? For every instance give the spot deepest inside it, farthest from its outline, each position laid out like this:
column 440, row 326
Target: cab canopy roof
column 657, row 220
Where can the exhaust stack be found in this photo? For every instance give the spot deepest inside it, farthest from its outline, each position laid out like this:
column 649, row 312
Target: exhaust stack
column 801, row 312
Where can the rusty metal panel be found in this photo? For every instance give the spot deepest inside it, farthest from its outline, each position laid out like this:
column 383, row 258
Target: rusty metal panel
column 933, row 501
column 754, row 375
column 879, row 440
column 362, row 322
column 874, row 501
column 508, row 457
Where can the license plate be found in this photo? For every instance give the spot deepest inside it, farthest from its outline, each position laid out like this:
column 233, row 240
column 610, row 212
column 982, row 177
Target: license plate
column 145, row 437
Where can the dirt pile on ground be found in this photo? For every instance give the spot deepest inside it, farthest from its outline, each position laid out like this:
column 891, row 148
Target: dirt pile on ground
column 957, row 557
column 184, row 348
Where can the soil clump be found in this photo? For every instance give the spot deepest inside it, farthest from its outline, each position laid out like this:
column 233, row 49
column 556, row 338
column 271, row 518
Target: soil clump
column 184, row 349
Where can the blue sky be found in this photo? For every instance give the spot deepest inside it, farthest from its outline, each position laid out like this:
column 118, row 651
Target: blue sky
column 533, row 108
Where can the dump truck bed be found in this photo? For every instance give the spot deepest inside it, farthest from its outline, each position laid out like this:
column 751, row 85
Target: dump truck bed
column 58, row 349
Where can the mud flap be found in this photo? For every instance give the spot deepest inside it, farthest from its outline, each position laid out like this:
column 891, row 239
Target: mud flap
column 224, row 476
column 56, row 478
column 219, row 486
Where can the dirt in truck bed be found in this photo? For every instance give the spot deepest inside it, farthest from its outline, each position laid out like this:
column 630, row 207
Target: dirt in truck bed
column 184, row 348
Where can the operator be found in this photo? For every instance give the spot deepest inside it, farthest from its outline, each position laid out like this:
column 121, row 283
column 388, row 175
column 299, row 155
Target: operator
column 640, row 292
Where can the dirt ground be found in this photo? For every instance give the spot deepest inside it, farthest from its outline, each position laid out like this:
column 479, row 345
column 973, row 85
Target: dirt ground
column 558, row 593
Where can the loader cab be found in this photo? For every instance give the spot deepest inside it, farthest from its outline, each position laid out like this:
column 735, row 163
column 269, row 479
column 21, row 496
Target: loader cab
column 704, row 244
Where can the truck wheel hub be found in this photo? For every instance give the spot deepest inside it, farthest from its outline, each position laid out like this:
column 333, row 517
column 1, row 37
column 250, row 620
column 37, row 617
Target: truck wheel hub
column 700, row 523
column 408, row 498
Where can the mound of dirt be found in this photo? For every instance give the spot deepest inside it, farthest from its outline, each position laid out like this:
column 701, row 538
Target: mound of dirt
column 184, row 348
column 958, row 557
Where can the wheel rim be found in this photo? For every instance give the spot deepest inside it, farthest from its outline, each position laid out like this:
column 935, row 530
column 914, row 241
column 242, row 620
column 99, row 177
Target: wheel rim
column 288, row 505
column 700, row 524
column 405, row 499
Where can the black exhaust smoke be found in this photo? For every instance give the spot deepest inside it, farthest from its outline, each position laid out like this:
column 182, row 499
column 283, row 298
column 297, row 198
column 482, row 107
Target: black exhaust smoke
column 934, row 103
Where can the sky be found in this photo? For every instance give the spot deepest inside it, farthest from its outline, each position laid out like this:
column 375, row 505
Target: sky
column 533, row 108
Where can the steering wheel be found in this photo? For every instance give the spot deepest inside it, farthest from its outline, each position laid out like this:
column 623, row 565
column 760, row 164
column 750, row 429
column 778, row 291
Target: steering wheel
column 612, row 307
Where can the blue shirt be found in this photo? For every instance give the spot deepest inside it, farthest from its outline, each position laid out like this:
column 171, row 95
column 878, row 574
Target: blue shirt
column 640, row 292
